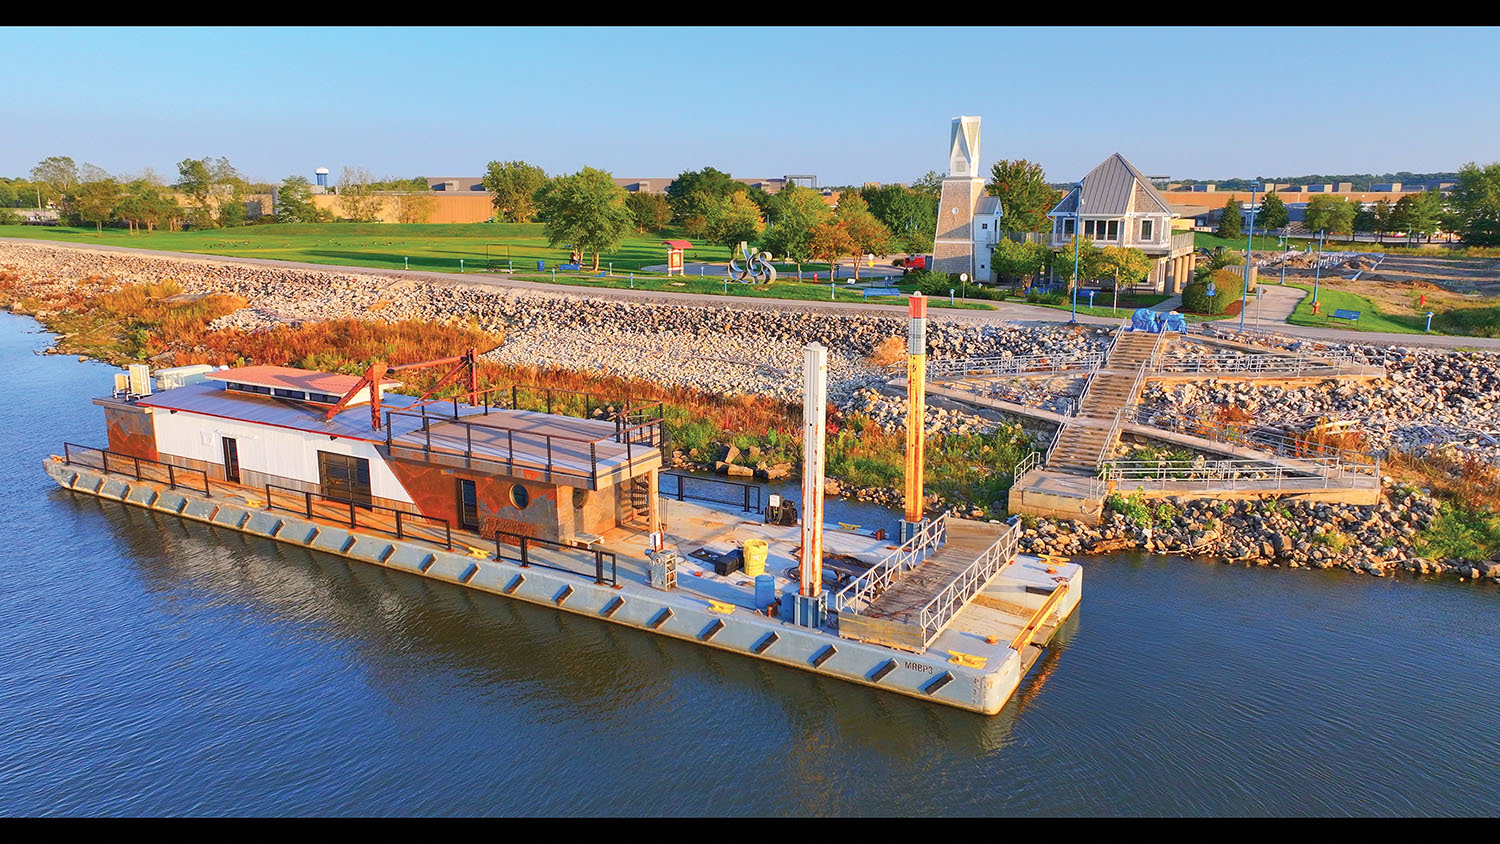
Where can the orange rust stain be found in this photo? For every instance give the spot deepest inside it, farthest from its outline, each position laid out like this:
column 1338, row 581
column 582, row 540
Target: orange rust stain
column 131, row 433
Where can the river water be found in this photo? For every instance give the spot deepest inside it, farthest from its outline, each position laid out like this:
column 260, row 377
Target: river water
column 154, row 666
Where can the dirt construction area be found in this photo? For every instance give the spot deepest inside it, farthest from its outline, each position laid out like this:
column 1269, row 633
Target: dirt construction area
column 1407, row 284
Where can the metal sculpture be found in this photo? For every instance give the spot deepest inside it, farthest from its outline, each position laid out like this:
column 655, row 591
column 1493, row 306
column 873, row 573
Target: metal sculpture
column 756, row 266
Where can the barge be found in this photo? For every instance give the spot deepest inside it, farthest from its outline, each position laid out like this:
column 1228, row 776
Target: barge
column 559, row 499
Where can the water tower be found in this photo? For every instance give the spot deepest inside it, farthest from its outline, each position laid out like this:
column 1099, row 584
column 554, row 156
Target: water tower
column 321, row 174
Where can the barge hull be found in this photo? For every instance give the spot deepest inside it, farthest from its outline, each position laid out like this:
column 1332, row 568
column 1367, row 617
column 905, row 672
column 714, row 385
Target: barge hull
column 925, row 676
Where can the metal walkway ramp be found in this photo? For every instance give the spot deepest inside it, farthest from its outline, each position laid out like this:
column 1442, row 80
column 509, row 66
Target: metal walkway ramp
column 907, row 599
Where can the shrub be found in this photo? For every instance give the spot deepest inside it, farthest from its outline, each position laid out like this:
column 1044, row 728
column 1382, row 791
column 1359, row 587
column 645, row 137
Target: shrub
column 1195, row 298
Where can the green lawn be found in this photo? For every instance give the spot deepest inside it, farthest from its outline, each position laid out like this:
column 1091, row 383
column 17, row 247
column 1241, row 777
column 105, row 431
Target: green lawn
column 784, row 288
column 1371, row 319
column 437, row 247
column 1209, row 240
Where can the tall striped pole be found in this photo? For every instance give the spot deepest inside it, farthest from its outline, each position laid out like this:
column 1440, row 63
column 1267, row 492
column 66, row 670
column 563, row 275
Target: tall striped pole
column 814, row 440
column 916, row 411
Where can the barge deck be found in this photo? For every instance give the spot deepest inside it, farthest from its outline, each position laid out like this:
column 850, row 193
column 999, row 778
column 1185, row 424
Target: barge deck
column 973, row 660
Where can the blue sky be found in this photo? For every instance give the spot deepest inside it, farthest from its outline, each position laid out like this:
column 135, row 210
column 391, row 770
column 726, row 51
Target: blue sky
column 850, row 105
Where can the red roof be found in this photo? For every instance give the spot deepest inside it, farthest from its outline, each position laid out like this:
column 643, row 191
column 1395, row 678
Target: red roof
column 678, row 244
column 290, row 378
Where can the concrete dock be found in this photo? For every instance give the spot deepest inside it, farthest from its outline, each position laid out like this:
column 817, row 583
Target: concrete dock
column 974, row 662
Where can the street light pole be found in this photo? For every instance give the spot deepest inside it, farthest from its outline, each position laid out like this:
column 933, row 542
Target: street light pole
column 1077, row 241
column 1245, row 294
column 1318, row 267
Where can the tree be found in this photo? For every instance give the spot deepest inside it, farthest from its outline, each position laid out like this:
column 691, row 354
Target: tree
column 1229, row 222
column 1475, row 202
column 1124, row 264
column 911, row 216
column 1273, row 213
column 1025, row 196
column 1327, row 214
column 733, row 219
column 795, row 212
column 55, row 177
column 1381, row 215
column 869, row 234
column 145, row 204
column 693, row 191
column 513, row 186
column 930, row 184
column 412, row 207
column 204, row 180
column 1089, row 261
column 294, row 201
column 1417, row 215
column 650, row 210
column 94, row 202
column 1018, row 260
column 830, row 241
column 357, row 197
column 585, row 209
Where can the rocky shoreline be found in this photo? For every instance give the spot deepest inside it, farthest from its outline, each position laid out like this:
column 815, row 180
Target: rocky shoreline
column 1435, row 400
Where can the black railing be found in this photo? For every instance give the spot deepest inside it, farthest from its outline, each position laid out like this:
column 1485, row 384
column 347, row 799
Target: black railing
column 714, row 490
column 140, row 468
column 407, row 524
column 523, row 555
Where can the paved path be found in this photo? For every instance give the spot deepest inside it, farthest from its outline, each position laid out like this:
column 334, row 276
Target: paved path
column 1002, row 312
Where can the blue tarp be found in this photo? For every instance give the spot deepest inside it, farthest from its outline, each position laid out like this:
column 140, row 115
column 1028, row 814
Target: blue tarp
column 1174, row 322
column 1144, row 319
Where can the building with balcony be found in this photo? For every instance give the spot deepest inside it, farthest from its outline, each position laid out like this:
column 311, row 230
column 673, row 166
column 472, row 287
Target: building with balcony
column 1116, row 205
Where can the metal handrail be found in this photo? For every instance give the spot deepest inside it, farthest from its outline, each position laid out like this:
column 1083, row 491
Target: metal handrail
column 354, row 507
column 526, row 560
column 1231, row 473
column 750, row 494
column 1280, row 445
column 1029, row 463
column 936, row 614
column 1335, row 364
column 172, row 480
column 881, row 576
column 1013, row 365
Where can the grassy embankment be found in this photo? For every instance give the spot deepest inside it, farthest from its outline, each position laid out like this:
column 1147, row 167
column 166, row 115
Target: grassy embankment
column 481, row 247
column 156, row 322
column 1482, row 321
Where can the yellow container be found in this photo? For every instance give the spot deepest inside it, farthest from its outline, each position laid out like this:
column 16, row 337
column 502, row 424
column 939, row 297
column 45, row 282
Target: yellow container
column 755, row 556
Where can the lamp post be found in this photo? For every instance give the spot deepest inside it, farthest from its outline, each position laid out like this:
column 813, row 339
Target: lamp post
column 1077, row 240
column 1245, row 294
column 1284, row 236
column 1318, row 267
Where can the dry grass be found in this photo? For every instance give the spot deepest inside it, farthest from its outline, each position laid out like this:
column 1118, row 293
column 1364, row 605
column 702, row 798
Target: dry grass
column 891, row 350
column 1466, row 479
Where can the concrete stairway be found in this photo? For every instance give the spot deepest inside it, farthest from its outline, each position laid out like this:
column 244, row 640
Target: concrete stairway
column 1083, row 440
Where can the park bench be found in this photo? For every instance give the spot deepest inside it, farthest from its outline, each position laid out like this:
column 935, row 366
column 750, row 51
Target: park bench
column 1351, row 316
column 570, row 267
column 881, row 291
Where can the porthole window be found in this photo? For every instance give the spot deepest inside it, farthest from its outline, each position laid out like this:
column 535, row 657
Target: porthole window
column 519, row 497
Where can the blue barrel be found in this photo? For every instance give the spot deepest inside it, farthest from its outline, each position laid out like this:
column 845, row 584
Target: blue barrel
column 541, row 265
column 765, row 591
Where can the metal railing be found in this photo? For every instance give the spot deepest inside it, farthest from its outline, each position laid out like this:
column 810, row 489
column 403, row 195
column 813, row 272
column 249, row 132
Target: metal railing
column 995, row 365
column 750, row 497
column 1294, row 364
column 406, row 524
column 526, row 558
column 867, row 587
column 1030, row 463
column 1161, row 475
column 1276, row 442
column 140, row 468
column 955, row 596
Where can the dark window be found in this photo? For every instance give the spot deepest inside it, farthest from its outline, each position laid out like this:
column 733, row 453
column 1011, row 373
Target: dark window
column 250, row 388
column 343, row 477
column 289, row 394
column 1145, row 230
column 231, row 460
column 468, row 505
column 519, row 497
column 323, row 397
column 1114, row 230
